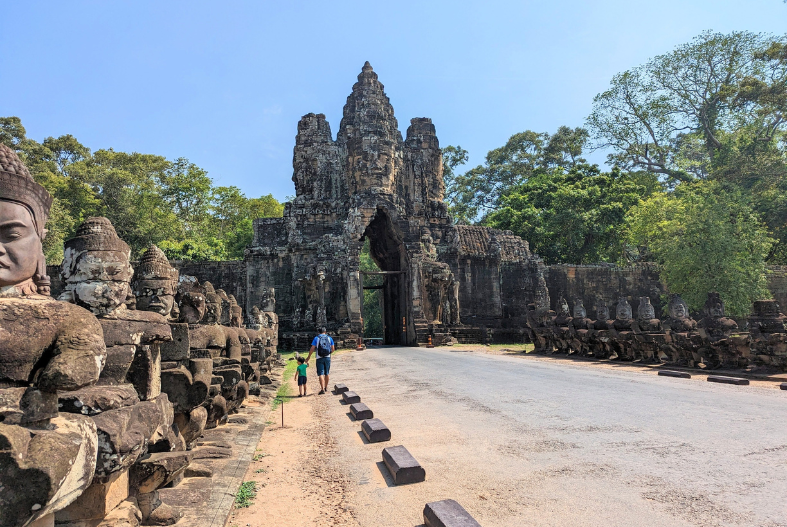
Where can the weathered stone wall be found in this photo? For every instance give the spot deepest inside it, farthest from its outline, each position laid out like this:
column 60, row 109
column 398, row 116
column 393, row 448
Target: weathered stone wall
column 609, row 282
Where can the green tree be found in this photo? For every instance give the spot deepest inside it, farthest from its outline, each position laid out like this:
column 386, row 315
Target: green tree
column 477, row 192
column 670, row 115
column 372, row 307
column 704, row 238
column 575, row 216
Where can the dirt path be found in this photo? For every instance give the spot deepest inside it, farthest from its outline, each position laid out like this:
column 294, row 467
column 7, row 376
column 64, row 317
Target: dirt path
column 298, row 482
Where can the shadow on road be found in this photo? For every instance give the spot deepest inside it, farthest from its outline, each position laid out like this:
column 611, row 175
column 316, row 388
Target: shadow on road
column 384, row 471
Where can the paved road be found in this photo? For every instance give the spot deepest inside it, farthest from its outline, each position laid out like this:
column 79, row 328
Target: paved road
column 525, row 442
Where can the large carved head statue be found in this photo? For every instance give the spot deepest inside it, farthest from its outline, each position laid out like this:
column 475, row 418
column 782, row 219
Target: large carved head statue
column 602, row 310
column 155, row 282
column 579, row 309
column 623, row 311
column 213, row 305
column 678, row 308
column 96, row 267
column 645, row 310
column 714, row 307
column 24, row 210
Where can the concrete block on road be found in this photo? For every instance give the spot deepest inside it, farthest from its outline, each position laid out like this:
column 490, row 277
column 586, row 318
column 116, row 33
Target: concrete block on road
column 728, row 380
column 783, row 386
column 340, row 388
column 403, row 466
column 447, row 513
column 678, row 374
column 375, row 431
column 351, row 397
column 360, row 411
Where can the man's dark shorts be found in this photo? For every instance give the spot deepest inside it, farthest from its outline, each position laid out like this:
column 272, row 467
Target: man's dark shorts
column 324, row 365
column 301, row 380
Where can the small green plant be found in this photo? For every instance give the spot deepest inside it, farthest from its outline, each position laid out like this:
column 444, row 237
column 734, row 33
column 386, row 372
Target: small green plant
column 260, row 471
column 246, row 494
column 258, row 457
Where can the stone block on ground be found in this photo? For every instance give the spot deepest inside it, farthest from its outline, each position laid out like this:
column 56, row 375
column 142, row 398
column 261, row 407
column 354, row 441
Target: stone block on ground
column 351, row 397
column 340, row 388
column 157, row 470
column 127, row 514
column 360, row 411
column 783, row 386
column 678, row 374
column 375, row 431
column 98, row 500
column 728, row 380
column 402, row 465
column 447, row 513
column 164, row 514
column 198, row 470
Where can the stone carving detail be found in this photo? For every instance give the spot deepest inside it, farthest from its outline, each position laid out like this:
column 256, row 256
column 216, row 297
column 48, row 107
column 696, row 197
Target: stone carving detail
column 373, row 184
column 47, row 459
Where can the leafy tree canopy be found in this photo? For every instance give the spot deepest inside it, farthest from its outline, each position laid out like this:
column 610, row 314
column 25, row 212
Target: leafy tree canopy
column 576, row 215
column 704, row 238
column 148, row 198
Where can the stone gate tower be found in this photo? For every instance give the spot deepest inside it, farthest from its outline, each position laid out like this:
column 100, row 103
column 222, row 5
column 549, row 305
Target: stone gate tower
column 371, row 183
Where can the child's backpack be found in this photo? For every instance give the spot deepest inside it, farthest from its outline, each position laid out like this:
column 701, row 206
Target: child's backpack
column 323, row 346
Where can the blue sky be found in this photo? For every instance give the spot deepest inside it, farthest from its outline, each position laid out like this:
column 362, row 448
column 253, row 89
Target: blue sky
column 224, row 83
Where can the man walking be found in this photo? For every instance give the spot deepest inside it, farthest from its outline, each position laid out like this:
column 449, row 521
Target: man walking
column 324, row 346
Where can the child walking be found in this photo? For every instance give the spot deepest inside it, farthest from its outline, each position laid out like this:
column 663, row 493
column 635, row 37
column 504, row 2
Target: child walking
column 300, row 376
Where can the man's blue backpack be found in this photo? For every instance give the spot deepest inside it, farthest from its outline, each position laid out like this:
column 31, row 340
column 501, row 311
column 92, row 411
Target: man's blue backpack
column 323, row 346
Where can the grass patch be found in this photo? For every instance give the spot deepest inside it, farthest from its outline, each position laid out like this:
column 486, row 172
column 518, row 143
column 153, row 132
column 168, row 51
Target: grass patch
column 289, row 372
column 260, row 471
column 246, row 494
column 258, row 457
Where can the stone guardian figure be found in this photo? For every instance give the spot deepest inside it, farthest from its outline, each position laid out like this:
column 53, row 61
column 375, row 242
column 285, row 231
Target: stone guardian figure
column 47, row 459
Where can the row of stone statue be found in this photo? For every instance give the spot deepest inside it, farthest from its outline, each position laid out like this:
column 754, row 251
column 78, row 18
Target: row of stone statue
column 715, row 341
column 104, row 392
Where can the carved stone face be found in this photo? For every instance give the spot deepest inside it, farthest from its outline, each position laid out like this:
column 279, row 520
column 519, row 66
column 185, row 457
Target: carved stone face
column 101, row 280
column 623, row 310
column 212, row 310
column 155, row 295
column 677, row 308
column 564, row 310
column 192, row 307
column 645, row 310
column 20, row 246
column 579, row 309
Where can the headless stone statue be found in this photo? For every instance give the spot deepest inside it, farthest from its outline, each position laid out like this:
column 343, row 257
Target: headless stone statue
column 47, row 459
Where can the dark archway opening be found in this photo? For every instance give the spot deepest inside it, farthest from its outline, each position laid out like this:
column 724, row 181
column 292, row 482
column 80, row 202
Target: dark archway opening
column 386, row 250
